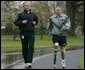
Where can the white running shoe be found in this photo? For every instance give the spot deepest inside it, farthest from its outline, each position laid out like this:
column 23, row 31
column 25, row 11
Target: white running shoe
column 54, row 66
column 63, row 64
column 28, row 66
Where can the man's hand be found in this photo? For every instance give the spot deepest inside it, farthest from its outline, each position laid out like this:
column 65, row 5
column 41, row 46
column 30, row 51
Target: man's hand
column 63, row 28
column 50, row 34
column 34, row 23
column 24, row 21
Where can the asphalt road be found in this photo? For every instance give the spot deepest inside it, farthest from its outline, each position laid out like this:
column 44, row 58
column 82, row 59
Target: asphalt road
column 46, row 61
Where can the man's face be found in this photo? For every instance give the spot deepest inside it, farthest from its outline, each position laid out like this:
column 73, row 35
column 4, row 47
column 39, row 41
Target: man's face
column 58, row 10
column 26, row 5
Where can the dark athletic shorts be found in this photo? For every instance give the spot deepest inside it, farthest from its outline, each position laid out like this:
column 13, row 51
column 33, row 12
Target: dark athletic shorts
column 59, row 39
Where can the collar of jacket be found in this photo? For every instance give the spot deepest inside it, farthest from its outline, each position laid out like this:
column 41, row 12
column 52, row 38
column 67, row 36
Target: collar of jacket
column 27, row 11
column 57, row 15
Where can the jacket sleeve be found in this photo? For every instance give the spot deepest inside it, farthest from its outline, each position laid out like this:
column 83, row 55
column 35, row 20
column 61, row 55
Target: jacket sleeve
column 49, row 25
column 47, row 28
column 35, row 18
column 67, row 25
column 17, row 20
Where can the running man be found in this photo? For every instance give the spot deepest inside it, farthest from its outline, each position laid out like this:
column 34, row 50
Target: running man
column 26, row 22
column 58, row 24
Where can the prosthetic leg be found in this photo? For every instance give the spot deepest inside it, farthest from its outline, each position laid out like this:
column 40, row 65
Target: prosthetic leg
column 55, row 53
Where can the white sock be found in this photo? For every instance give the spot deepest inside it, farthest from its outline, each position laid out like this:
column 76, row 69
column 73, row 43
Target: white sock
column 63, row 63
column 63, row 60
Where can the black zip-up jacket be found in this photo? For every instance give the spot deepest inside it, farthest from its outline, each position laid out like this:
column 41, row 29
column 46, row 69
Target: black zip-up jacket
column 30, row 17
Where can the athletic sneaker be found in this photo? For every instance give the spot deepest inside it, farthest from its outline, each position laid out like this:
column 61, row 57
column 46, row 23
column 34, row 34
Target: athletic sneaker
column 54, row 65
column 28, row 66
column 63, row 64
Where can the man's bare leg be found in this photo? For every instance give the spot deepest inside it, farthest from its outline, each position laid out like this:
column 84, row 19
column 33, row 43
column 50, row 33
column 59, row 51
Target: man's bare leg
column 63, row 56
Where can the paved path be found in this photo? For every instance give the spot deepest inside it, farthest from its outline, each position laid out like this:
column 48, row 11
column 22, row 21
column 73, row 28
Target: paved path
column 46, row 61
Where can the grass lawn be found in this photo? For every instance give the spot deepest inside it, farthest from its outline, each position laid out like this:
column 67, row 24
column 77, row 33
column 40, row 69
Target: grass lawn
column 8, row 44
column 81, row 62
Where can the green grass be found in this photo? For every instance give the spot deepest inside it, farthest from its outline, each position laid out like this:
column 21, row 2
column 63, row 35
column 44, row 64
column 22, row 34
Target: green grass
column 81, row 62
column 8, row 44
column 75, row 41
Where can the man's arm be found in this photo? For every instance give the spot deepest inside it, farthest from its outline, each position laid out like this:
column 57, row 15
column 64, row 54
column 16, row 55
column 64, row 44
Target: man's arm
column 67, row 24
column 49, row 25
column 17, row 20
column 48, row 29
column 35, row 20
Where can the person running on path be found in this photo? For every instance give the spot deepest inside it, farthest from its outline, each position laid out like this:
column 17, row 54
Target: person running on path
column 26, row 22
column 58, row 24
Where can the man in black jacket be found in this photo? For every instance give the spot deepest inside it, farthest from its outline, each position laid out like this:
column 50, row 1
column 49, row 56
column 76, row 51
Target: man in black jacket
column 26, row 22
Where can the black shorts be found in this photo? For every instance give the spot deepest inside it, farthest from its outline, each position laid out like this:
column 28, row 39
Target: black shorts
column 59, row 39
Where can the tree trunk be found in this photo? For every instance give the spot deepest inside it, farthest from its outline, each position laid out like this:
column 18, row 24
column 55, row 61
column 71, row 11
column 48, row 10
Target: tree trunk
column 71, row 12
column 41, row 27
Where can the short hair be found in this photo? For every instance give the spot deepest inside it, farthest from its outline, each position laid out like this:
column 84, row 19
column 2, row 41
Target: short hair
column 57, row 6
column 26, row 2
